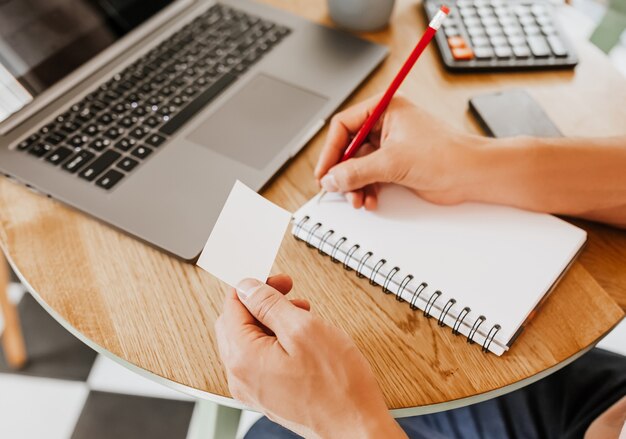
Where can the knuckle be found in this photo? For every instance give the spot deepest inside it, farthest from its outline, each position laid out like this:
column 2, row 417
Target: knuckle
column 266, row 306
column 302, row 330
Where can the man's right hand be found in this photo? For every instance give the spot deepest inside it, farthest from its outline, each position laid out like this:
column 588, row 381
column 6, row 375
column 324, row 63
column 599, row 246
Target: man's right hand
column 408, row 146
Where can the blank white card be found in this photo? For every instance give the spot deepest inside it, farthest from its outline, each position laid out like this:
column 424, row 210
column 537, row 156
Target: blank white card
column 246, row 237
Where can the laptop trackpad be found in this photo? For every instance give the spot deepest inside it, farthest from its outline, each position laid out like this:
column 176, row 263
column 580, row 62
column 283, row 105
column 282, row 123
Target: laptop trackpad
column 258, row 121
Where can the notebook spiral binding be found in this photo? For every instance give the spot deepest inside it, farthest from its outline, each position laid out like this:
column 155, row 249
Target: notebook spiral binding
column 432, row 300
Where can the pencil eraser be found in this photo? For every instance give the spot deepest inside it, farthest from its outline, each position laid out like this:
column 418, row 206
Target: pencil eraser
column 445, row 9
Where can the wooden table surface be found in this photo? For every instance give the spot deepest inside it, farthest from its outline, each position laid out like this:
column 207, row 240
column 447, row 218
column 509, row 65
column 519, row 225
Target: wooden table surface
column 157, row 313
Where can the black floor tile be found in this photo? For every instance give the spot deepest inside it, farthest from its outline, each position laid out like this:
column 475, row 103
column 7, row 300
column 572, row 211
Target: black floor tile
column 52, row 351
column 111, row 415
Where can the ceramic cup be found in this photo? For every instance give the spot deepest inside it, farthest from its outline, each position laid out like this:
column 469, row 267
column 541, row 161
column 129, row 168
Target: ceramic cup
column 361, row 15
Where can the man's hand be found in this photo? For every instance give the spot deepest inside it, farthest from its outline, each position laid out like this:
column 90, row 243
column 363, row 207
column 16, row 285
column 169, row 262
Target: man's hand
column 298, row 370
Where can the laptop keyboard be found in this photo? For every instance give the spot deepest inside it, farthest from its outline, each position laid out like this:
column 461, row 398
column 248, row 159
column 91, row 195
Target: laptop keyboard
column 114, row 129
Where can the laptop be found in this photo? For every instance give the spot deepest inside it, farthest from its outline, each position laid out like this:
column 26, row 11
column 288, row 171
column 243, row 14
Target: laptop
column 143, row 113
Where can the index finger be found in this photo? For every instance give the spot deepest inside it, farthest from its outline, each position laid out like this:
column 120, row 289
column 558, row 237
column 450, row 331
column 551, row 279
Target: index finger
column 342, row 126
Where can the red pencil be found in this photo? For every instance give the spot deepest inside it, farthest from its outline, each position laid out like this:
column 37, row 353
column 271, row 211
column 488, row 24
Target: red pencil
column 364, row 131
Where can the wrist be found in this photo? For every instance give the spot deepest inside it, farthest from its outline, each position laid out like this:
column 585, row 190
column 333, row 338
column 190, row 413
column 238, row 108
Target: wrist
column 366, row 426
column 501, row 171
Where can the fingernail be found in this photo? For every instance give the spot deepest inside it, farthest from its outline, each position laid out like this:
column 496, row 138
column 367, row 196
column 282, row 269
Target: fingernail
column 329, row 183
column 247, row 287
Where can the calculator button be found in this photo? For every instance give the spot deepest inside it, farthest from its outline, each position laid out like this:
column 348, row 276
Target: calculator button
column 451, row 31
column 517, row 40
column 489, row 21
column 544, row 20
column 472, row 21
column 456, row 42
column 467, row 12
column 511, row 30
column 480, row 41
column 532, row 30
column 475, row 31
column 483, row 52
column 110, row 179
column 462, row 53
column 548, row 30
column 527, row 20
column 521, row 51
column 493, row 31
column 502, row 51
column 557, row 46
column 538, row 46
column 498, row 41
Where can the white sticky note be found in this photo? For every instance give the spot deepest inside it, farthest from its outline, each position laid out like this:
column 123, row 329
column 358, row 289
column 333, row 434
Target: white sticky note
column 246, row 237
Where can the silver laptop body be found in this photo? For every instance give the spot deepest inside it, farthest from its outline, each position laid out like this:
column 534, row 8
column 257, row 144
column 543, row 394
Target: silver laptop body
column 247, row 132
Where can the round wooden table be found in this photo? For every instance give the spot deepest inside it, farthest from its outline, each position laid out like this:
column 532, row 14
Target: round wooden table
column 155, row 314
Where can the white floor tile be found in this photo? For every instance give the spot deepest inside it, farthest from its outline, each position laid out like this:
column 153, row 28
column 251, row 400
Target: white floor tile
column 33, row 408
column 616, row 340
column 109, row 376
column 247, row 420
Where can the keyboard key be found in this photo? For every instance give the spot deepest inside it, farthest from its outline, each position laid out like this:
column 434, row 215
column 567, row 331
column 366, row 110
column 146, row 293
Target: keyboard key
column 155, row 140
column 100, row 144
column 139, row 132
column 527, row 20
column 40, row 149
column 55, row 138
column 141, row 152
column 110, row 179
column 127, row 164
column 78, row 141
column 99, row 165
column 114, row 133
column 79, row 160
column 59, row 155
column 557, row 46
column 27, row 143
column 502, row 51
column 462, row 53
column 126, row 144
column 521, row 51
column 538, row 46
column 197, row 104
column 483, row 52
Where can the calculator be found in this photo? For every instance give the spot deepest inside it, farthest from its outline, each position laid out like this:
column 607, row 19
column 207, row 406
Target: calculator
column 500, row 35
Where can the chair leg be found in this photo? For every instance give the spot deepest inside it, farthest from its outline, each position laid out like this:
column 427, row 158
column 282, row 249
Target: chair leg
column 12, row 338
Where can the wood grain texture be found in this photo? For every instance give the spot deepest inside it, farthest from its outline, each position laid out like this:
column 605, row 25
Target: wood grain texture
column 12, row 338
column 158, row 313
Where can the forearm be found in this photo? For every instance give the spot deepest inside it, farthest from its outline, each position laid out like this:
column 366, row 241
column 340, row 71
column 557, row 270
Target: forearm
column 577, row 177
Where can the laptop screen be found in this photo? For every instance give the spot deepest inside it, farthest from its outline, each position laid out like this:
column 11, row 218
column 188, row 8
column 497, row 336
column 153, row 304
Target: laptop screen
column 41, row 41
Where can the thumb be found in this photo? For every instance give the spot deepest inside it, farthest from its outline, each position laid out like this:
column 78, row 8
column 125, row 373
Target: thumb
column 268, row 306
column 357, row 173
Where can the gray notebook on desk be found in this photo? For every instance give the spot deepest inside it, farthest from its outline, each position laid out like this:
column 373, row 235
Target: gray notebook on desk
column 479, row 269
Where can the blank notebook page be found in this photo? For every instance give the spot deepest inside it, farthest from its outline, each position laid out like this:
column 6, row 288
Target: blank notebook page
column 497, row 260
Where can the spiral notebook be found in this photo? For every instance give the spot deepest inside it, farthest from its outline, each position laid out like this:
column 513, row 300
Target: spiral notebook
column 479, row 269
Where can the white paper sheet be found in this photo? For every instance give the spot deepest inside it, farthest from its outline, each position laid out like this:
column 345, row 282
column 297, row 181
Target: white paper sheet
column 246, row 237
